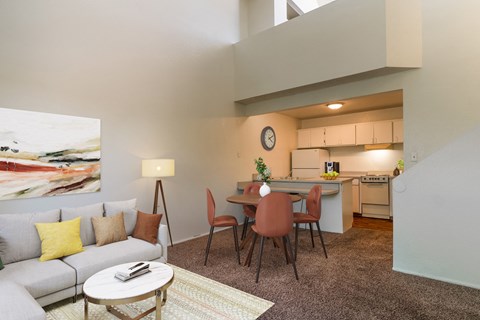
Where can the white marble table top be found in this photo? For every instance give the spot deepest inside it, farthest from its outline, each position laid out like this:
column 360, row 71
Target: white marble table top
column 104, row 285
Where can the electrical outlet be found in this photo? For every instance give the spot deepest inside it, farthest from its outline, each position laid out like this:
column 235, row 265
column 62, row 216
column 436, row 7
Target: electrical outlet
column 413, row 157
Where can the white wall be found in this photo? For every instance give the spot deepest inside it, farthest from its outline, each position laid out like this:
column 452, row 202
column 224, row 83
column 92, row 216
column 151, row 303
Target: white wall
column 159, row 76
column 441, row 104
column 342, row 39
column 440, row 237
column 265, row 14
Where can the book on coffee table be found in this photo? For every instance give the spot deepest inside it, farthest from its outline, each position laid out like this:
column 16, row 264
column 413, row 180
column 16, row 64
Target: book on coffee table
column 125, row 278
column 132, row 271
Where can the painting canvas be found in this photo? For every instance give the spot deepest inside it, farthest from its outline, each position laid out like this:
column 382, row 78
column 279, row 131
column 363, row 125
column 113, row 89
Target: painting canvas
column 43, row 154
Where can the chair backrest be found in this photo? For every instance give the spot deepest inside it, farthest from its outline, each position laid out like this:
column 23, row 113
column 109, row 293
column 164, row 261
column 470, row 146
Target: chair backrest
column 314, row 201
column 251, row 188
column 210, row 207
column 274, row 216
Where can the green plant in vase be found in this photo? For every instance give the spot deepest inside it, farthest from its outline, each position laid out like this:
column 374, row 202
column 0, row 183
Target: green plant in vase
column 264, row 172
column 264, row 175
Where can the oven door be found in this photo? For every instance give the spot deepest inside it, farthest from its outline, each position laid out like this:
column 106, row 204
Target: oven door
column 374, row 193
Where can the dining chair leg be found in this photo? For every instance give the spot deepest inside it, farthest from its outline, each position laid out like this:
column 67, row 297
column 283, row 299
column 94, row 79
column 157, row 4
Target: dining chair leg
column 245, row 226
column 287, row 258
column 208, row 245
column 262, row 242
column 235, row 237
column 291, row 255
column 296, row 241
column 311, row 235
column 250, row 252
column 321, row 239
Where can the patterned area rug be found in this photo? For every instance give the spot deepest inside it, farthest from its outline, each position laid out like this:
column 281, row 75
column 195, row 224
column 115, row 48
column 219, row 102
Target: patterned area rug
column 191, row 296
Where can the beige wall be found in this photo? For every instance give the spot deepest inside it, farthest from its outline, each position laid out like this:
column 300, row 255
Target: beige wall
column 358, row 117
column 159, row 76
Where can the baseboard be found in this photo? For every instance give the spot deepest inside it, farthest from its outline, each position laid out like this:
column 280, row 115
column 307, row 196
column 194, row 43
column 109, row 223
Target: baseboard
column 203, row 234
column 448, row 280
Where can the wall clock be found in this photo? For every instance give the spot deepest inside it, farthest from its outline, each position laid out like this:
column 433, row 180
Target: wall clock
column 268, row 138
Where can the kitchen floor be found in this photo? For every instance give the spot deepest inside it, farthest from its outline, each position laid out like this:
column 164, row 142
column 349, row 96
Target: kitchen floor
column 371, row 223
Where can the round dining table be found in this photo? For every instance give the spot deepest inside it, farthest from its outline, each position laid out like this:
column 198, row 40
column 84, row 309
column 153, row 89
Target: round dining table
column 253, row 200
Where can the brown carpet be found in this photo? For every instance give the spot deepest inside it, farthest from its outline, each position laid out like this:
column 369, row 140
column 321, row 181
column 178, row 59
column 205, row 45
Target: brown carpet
column 355, row 282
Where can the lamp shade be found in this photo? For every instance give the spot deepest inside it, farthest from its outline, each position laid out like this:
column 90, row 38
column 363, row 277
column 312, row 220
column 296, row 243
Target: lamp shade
column 158, row 168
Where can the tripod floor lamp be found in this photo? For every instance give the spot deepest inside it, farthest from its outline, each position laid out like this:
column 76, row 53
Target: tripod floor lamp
column 158, row 168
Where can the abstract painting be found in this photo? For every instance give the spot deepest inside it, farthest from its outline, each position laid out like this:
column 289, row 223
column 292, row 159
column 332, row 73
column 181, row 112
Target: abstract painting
column 43, row 154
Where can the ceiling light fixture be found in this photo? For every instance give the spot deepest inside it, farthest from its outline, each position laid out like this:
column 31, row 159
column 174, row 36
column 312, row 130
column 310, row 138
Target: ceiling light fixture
column 335, row 106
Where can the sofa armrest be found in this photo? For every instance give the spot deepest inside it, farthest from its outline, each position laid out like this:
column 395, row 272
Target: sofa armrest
column 163, row 239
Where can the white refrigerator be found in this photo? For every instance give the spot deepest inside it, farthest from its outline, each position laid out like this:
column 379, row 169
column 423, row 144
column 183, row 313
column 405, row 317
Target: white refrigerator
column 309, row 163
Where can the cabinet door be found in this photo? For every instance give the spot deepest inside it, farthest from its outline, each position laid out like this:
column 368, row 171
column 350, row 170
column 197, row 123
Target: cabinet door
column 303, row 138
column 398, row 131
column 347, row 135
column 382, row 132
column 332, row 136
column 317, row 137
column 364, row 133
column 356, row 198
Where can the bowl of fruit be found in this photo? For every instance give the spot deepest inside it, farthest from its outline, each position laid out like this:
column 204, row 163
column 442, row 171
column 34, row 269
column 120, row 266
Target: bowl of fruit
column 330, row 175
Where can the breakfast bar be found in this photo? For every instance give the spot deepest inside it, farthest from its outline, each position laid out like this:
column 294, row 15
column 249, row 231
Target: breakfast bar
column 337, row 213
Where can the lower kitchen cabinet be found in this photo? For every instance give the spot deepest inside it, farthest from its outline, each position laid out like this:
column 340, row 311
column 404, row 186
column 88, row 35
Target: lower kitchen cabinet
column 356, row 196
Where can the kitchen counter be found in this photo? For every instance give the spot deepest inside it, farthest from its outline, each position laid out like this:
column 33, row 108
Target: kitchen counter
column 337, row 213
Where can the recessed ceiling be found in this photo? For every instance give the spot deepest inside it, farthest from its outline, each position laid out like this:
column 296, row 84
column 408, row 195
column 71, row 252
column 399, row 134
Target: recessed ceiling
column 377, row 101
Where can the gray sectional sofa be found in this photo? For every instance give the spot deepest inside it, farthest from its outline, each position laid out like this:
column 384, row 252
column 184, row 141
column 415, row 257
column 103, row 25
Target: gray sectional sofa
column 26, row 284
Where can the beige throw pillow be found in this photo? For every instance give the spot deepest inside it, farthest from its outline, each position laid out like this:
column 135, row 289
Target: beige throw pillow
column 109, row 229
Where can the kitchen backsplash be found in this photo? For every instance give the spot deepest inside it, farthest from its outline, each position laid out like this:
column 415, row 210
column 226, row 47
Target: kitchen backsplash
column 357, row 159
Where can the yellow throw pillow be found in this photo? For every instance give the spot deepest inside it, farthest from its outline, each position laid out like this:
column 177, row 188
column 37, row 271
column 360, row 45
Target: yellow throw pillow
column 59, row 239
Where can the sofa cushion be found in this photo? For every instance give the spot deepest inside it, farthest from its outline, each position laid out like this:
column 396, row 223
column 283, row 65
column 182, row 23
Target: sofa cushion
column 147, row 227
column 40, row 278
column 19, row 238
column 109, row 229
column 94, row 258
column 59, row 239
column 128, row 207
column 86, row 213
column 16, row 303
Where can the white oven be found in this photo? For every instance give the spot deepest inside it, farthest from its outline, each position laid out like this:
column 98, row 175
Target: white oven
column 375, row 196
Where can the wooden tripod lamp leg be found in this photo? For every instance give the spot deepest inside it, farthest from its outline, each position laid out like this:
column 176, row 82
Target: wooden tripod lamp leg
column 155, row 205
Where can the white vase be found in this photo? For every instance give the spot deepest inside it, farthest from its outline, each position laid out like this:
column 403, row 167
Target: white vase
column 264, row 189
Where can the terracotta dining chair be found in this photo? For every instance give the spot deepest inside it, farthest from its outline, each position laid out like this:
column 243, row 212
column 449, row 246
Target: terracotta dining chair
column 219, row 221
column 274, row 219
column 313, row 215
column 249, row 211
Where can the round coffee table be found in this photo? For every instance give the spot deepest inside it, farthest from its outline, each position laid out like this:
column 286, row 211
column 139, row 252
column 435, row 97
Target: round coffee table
column 103, row 288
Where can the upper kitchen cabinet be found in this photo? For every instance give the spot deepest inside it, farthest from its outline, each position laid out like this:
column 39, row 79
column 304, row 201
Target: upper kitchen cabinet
column 398, row 131
column 342, row 40
column 340, row 135
column 374, row 132
column 311, row 138
column 303, row 138
column 317, row 137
